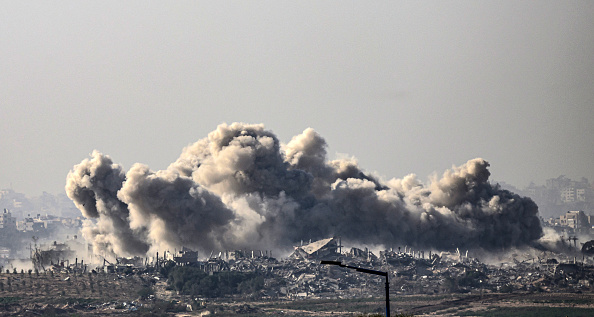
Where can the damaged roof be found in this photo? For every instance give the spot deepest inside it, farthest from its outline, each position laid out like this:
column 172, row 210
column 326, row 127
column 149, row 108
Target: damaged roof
column 315, row 246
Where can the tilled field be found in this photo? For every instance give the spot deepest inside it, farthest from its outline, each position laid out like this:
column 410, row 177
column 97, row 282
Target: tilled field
column 56, row 293
column 100, row 294
column 517, row 304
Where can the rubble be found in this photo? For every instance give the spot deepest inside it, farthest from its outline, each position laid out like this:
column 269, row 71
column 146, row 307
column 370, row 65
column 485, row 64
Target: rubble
column 300, row 275
column 410, row 272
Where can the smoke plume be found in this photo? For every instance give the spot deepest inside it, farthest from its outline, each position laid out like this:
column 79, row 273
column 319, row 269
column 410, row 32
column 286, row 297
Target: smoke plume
column 241, row 188
column 93, row 186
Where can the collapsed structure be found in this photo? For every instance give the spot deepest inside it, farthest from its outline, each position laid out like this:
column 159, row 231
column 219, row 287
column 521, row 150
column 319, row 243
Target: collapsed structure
column 300, row 275
column 324, row 248
column 410, row 272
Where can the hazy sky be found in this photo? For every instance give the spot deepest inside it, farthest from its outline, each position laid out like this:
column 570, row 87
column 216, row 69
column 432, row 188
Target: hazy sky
column 404, row 86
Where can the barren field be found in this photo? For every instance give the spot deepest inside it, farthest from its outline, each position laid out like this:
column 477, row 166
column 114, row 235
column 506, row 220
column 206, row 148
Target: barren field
column 70, row 294
column 49, row 293
column 536, row 304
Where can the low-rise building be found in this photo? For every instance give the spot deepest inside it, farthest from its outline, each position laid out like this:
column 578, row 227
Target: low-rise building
column 31, row 224
column 577, row 220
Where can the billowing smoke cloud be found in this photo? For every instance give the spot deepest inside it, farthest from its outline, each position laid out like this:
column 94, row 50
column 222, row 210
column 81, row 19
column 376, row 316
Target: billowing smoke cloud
column 239, row 188
column 93, row 186
column 241, row 159
column 173, row 209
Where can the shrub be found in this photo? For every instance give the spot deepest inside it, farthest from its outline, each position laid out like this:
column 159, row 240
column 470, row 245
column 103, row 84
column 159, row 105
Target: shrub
column 145, row 292
column 193, row 281
column 472, row 278
column 167, row 267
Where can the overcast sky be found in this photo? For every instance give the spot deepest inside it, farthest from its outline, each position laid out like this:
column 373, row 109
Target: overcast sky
column 403, row 86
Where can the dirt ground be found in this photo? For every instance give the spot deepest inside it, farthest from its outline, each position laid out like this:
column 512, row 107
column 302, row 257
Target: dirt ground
column 101, row 294
column 520, row 304
column 33, row 294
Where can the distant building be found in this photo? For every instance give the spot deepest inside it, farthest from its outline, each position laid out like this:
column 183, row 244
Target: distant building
column 31, row 224
column 7, row 221
column 186, row 257
column 568, row 194
column 72, row 222
column 56, row 254
column 580, row 194
column 575, row 219
column 4, row 253
column 571, row 191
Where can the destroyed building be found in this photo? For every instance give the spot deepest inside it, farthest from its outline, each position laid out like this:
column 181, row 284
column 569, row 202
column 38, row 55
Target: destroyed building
column 57, row 253
column 134, row 261
column 572, row 222
column 186, row 257
column 319, row 249
column 410, row 271
column 365, row 254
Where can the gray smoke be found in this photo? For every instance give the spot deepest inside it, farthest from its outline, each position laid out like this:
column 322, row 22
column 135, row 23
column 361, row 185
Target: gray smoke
column 240, row 188
column 307, row 152
column 93, row 186
column 173, row 209
column 241, row 159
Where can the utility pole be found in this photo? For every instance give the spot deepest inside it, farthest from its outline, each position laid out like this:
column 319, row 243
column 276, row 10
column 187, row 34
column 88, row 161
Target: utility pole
column 368, row 271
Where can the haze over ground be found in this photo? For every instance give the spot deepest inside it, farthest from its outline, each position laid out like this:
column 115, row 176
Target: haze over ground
column 405, row 87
